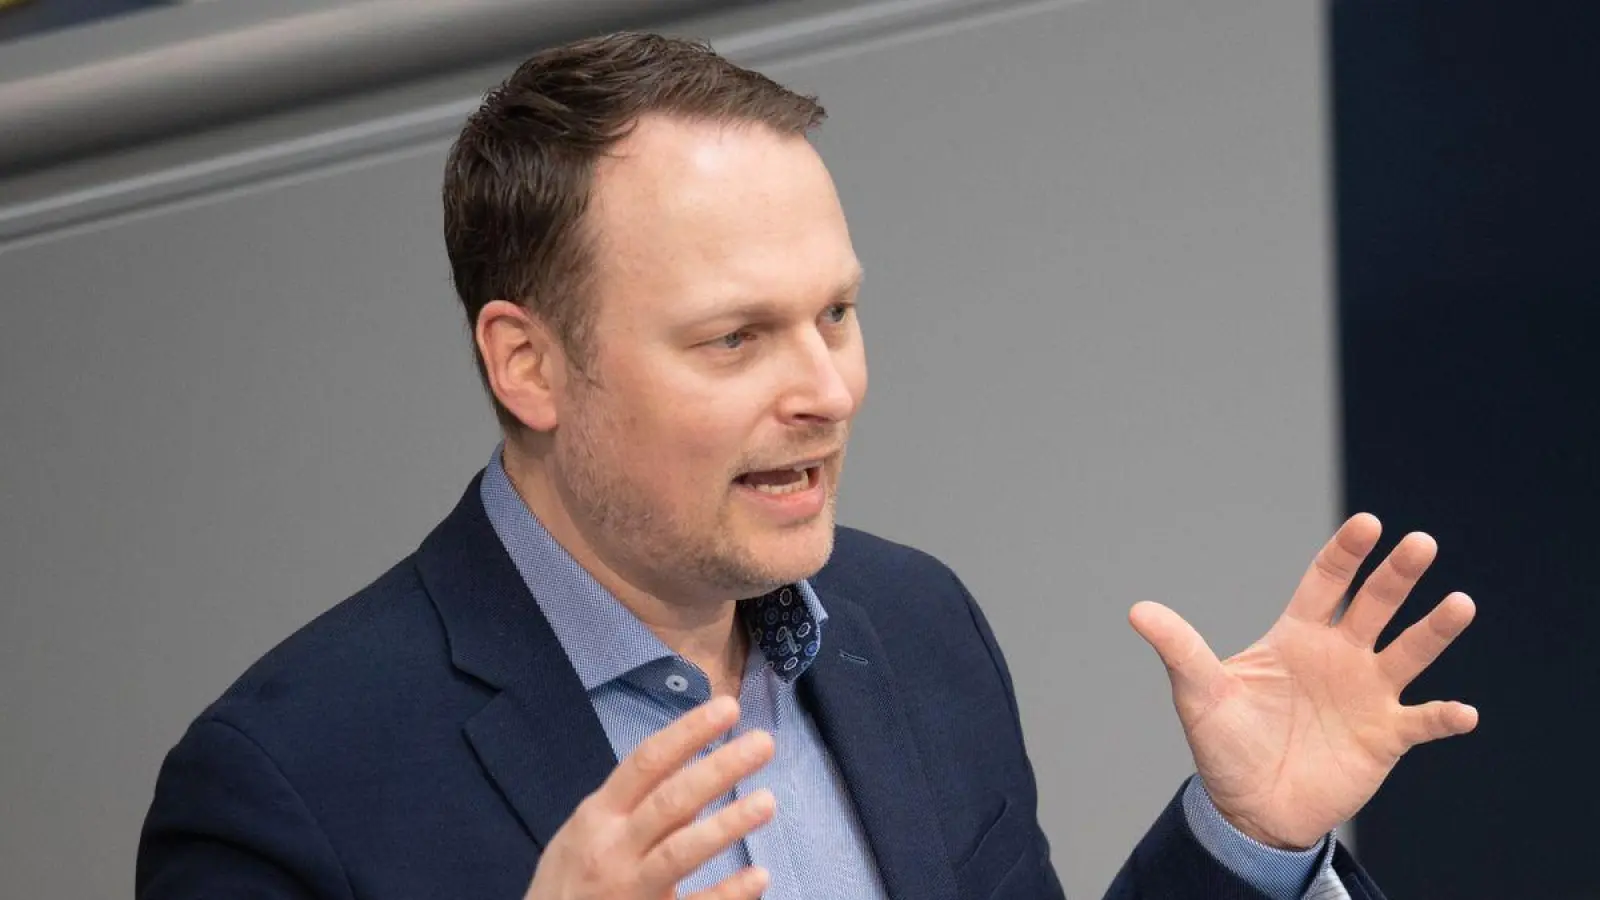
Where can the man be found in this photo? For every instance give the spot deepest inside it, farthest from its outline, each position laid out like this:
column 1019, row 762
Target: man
column 662, row 291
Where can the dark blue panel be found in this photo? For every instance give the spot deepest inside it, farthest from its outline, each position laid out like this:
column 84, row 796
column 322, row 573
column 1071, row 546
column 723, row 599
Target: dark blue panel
column 1467, row 160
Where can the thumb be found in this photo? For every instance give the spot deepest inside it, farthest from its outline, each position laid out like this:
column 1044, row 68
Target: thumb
column 1190, row 663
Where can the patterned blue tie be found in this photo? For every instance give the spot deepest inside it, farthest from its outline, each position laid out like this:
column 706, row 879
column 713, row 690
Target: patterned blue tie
column 780, row 624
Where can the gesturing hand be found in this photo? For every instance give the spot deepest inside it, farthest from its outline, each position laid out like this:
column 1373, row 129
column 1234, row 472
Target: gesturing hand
column 636, row 837
column 1296, row 733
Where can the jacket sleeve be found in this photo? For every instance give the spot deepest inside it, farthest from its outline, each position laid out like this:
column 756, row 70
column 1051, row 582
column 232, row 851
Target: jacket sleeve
column 225, row 822
column 1170, row 862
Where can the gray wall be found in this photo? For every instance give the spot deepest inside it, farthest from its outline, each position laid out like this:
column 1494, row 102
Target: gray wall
column 1097, row 314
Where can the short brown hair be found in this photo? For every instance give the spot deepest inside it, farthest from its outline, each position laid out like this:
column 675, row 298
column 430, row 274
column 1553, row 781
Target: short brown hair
column 518, row 178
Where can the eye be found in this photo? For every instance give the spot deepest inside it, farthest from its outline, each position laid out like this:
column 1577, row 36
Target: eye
column 838, row 312
column 733, row 340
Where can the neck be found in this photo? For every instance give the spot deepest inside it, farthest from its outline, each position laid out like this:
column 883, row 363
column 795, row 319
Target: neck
column 706, row 634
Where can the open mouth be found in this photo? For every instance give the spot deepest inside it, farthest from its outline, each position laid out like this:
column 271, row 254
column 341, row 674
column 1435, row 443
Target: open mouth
column 781, row 482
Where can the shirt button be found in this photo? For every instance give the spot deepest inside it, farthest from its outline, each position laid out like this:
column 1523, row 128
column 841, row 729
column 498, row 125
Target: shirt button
column 677, row 683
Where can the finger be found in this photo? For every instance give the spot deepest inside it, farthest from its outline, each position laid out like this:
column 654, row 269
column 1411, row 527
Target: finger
column 687, row 849
column 1189, row 661
column 1408, row 655
column 1326, row 581
column 680, row 798
column 667, row 751
column 1387, row 587
column 1435, row 720
column 745, row 884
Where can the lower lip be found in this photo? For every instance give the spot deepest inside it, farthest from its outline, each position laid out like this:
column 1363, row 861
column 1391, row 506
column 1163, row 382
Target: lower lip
column 802, row 504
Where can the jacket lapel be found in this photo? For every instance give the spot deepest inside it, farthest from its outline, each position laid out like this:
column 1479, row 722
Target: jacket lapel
column 539, row 739
column 541, row 743
column 851, row 693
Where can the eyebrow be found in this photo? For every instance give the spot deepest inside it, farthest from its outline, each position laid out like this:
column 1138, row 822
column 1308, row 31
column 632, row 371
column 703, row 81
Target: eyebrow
column 756, row 309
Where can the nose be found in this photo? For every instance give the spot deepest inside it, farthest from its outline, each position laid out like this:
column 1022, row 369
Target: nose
column 821, row 381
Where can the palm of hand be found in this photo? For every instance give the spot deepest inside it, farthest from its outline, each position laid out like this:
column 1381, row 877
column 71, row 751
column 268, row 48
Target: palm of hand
column 1296, row 733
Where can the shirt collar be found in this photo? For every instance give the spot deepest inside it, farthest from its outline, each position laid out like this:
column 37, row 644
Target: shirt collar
column 602, row 638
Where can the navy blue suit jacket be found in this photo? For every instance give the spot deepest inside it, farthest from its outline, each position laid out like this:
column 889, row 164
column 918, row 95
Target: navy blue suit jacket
column 426, row 737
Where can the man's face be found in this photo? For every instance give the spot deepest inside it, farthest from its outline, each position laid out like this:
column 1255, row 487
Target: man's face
column 726, row 342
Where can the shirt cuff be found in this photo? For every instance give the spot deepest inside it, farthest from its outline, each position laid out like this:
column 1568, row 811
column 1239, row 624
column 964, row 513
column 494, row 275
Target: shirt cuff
column 1280, row 874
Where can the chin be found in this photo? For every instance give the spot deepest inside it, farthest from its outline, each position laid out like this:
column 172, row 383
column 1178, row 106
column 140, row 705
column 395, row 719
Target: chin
column 803, row 554
column 794, row 554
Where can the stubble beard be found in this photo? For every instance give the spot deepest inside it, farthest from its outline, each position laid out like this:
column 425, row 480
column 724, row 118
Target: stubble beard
column 701, row 549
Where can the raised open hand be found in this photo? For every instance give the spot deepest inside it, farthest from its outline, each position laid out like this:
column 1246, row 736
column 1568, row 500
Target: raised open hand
column 638, row 835
column 1295, row 734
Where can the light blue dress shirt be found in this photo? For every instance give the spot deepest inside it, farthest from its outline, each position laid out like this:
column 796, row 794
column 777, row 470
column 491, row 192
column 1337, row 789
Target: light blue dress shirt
column 815, row 846
column 1280, row 874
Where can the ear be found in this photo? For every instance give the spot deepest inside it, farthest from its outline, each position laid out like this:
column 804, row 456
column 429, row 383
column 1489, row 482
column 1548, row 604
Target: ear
column 524, row 361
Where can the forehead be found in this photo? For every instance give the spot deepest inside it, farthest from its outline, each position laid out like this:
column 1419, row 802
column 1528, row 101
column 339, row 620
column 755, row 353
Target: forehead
column 685, row 213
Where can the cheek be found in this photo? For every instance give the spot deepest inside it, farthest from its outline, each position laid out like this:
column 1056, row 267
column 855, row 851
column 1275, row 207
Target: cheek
column 693, row 445
column 710, row 449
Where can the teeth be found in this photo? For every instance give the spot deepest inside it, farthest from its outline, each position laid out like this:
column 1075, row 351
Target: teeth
column 793, row 487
